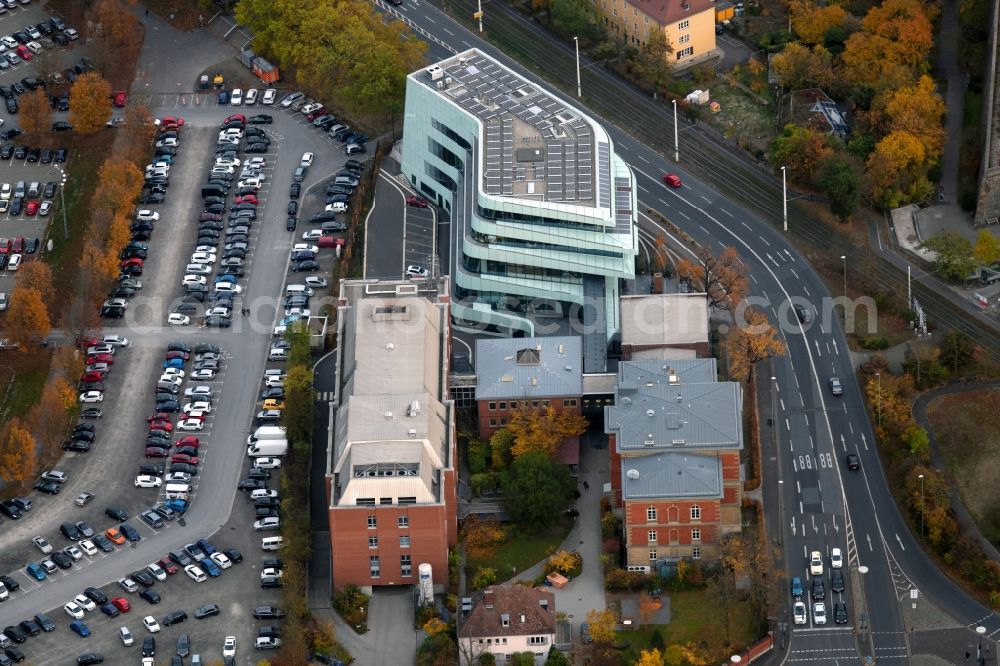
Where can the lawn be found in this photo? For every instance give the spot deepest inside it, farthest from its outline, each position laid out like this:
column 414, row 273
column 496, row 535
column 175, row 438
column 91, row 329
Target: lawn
column 694, row 618
column 522, row 551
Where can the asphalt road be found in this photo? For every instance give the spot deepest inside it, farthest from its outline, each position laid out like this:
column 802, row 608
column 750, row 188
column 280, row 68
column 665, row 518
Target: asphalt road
column 853, row 511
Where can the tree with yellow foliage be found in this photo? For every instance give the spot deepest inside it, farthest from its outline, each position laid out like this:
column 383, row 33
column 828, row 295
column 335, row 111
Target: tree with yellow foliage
column 28, row 317
column 602, row 625
column 120, row 182
column 66, row 392
column 722, row 277
column 918, row 110
column 650, row 657
column 798, row 66
column 753, row 340
column 897, row 170
column 37, row 275
column 482, row 536
column 435, row 626
column 802, row 150
column 17, row 453
column 543, row 430
column 683, row 655
column 89, row 107
column 811, row 21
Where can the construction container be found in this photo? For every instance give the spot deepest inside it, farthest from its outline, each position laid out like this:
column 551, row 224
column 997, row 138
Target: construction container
column 265, row 71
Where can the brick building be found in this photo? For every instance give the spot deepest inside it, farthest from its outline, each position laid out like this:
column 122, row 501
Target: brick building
column 674, row 441
column 532, row 373
column 391, row 460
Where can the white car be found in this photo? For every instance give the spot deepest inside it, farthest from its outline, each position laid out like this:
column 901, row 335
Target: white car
column 274, row 382
column 117, row 340
column 73, row 611
column 147, row 215
column 178, row 319
column 203, row 258
column 35, row 47
column 270, row 523
column 74, row 552
column 5, row 191
column 236, row 98
column 147, row 481
column 173, row 372
column 203, row 374
column 150, row 623
column 14, row 262
column 312, row 234
column 221, row 560
column 229, row 647
column 316, row 281
column 836, row 559
column 126, row 636
column 189, row 279
column 198, row 406
column 45, row 208
column 413, row 271
column 198, row 391
column 157, row 571
column 225, row 169
column 227, row 161
column 251, row 97
column 101, row 348
column 210, row 249
column 171, row 379
column 271, row 572
column 256, row 162
column 301, row 312
column 815, row 563
column 231, row 133
column 336, row 207
column 286, row 101
column 261, row 493
column 256, row 181
column 228, row 287
column 91, row 397
column 190, row 425
column 305, row 247
column 799, row 613
column 11, row 43
column 178, row 477
column 267, row 462
column 195, row 573
column 88, row 547
column 85, row 603
column 819, row 613
column 220, row 311
column 198, row 269
column 307, row 158
column 269, row 96
column 41, row 544
column 166, row 143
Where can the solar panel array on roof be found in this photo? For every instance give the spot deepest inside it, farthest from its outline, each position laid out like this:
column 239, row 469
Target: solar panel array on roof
column 495, row 95
column 623, row 205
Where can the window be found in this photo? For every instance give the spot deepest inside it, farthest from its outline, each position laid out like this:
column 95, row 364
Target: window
column 695, row 535
column 684, row 39
column 545, row 403
column 503, row 405
column 513, row 404
column 373, row 542
column 403, row 521
column 493, row 423
column 405, row 567
column 684, row 25
column 569, row 403
column 493, row 406
column 652, row 554
column 372, row 524
column 404, row 541
column 696, row 553
column 635, row 28
column 684, row 53
column 635, row 12
column 373, row 566
column 534, row 403
column 652, row 536
column 650, row 514
column 695, row 512
column 503, row 641
column 645, row 19
column 536, row 640
column 385, row 500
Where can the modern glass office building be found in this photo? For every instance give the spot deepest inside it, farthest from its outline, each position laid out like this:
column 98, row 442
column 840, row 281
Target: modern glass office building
column 542, row 210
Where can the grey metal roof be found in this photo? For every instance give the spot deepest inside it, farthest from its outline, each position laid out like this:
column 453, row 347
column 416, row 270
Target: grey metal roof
column 671, row 475
column 685, row 416
column 529, row 367
column 681, row 371
column 536, row 146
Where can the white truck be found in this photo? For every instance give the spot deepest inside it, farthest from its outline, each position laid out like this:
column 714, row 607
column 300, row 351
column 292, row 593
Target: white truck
column 264, row 433
column 268, row 447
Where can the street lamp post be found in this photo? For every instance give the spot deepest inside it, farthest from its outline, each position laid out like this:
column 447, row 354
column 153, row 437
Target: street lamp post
column 479, row 14
column 843, row 258
column 784, row 199
column 980, row 656
column 579, row 89
column 736, row 659
column 781, row 512
column 677, row 147
column 921, row 477
column 774, row 430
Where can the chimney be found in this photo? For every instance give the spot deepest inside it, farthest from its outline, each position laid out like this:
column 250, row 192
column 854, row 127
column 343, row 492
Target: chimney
column 522, row 618
column 488, row 598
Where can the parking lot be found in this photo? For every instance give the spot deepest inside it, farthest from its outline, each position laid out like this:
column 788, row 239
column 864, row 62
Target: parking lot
column 409, row 231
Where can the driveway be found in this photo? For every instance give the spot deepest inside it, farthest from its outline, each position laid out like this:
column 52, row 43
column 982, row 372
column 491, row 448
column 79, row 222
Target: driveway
column 390, row 625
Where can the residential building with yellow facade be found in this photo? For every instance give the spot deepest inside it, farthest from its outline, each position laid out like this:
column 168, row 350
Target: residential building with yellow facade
column 688, row 24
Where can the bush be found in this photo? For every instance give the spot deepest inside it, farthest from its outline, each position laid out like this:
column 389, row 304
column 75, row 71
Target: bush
column 483, row 484
column 610, row 526
column 875, row 342
column 569, row 564
column 479, row 456
column 484, row 577
column 611, row 546
column 621, row 580
column 352, row 605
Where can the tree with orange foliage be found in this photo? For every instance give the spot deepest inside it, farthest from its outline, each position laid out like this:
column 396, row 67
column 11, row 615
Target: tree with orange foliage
column 48, row 418
column 138, row 131
column 798, row 66
column 811, row 21
column 435, row 626
column 802, row 150
column 482, row 536
column 90, row 104
column 120, row 182
column 68, row 362
column 660, row 253
column 17, row 453
column 28, row 318
column 118, row 237
column 37, row 275
column 908, row 24
column 722, row 278
column 750, row 341
column 66, row 392
column 918, row 110
column 897, row 170
column 35, row 112
column 117, row 32
column 543, row 430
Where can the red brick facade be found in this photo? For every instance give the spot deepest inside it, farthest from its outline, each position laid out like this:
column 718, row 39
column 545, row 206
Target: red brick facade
column 496, row 414
column 422, row 532
column 701, row 349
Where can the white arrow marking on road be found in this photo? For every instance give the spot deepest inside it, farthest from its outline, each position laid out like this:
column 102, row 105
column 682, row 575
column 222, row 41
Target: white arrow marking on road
column 818, row 352
column 851, row 426
column 794, row 273
column 815, row 529
column 835, row 347
column 900, row 542
column 793, row 524
column 843, row 442
column 772, row 260
column 864, row 441
column 868, row 536
column 836, row 528
column 789, row 254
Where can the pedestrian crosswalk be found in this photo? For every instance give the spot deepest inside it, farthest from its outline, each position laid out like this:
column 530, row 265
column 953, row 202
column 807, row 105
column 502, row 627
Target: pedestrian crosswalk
column 324, row 396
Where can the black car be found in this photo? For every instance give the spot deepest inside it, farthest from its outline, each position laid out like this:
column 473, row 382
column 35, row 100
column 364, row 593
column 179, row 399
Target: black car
column 215, row 321
column 10, row 510
column 818, row 589
column 62, row 560
column 70, row 531
column 836, row 580
column 30, row 628
column 20, row 152
column 257, row 148
column 61, row 154
column 181, row 558
column 130, row 532
column 43, row 621
column 208, row 610
column 270, row 583
column 11, row 584
column 853, row 461
column 7, row 151
column 90, row 658
column 46, row 157
column 175, row 617
column 61, row 126
column 152, row 198
column 183, row 647
column 96, row 595
column 150, row 596
column 104, row 543
column 31, row 246
column 261, row 119
column 76, row 446
column 268, row 613
column 11, row 132
column 152, row 519
column 234, row 555
column 117, row 512
column 144, row 578
column 12, row 107
column 251, row 484
column 184, row 467
column 15, row 634
column 305, row 266
column 294, row 191
column 293, row 208
column 148, row 646
column 171, row 406
column 290, row 223
column 840, row 612
column 15, row 654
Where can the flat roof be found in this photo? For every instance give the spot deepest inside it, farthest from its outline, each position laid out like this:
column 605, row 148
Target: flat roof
column 529, row 367
column 535, row 146
column 664, row 319
column 671, row 475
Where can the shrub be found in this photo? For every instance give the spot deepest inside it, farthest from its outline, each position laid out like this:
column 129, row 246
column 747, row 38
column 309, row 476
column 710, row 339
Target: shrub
column 352, row 604
column 484, row 576
column 621, row 580
column 611, row 546
column 875, row 342
column 479, row 456
column 484, row 483
column 610, row 526
column 569, row 564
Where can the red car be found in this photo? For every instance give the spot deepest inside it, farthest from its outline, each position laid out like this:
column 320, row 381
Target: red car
column 81, row 341
column 238, row 117
column 4, row 245
column 176, row 353
column 183, row 458
column 122, row 604
column 672, row 179
column 247, row 198
column 24, row 53
column 156, row 452
column 416, row 202
column 100, row 358
column 31, row 208
column 119, row 99
column 18, row 244
column 313, row 115
column 168, row 565
column 132, row 261
column 172, row 120
column 159, row 416
column 329, row 241
column 93, row 377
column 189, row 440
column 161, row 425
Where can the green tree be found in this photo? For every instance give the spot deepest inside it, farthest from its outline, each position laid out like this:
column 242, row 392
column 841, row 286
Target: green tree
column 523, row 659
column 954, row 255
column 536, row 489
column 803, row 150
column 556, row 658
column 437, row 650
column 573, row 18
column 957, row 351
column 917, row 440
column 487, row 659
column 501, row 444
column 987, row 248
column 841, row 181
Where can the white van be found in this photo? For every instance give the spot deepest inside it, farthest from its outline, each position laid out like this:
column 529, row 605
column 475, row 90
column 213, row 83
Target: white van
column 294, row 289
column 277, row 354
column 272, row 543
column 177, row 490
